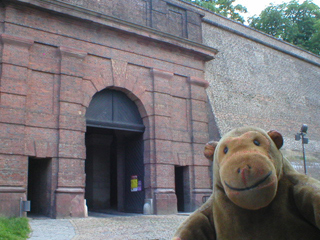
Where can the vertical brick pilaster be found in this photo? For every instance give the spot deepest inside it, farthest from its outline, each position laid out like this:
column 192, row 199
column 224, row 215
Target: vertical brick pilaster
column 71, row 146
column 165, row 199
column 199, row 136
column 13, row 91
column 162, row 104
column 71, row 108
column 14, row 75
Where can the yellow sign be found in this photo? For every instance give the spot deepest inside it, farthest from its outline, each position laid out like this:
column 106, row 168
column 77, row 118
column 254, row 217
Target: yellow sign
column 134, row 183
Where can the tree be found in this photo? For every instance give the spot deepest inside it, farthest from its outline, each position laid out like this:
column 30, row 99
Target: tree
column 296, row 23
column 223, row 7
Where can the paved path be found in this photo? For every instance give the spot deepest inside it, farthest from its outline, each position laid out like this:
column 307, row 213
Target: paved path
column 51, row 229
column 100, row 226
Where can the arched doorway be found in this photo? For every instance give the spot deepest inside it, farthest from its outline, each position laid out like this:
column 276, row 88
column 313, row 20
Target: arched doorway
column 114, row 164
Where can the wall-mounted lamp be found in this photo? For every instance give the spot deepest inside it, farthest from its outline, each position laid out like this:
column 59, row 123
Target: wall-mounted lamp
column 301, row 136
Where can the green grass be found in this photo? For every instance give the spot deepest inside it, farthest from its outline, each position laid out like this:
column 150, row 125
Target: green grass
column 14, row 228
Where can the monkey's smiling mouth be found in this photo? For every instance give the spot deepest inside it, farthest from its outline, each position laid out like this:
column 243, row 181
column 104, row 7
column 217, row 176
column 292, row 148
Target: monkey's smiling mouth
column 250, row 187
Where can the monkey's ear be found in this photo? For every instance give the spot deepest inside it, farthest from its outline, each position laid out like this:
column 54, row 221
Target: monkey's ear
column 276, row 137
column 209, row 149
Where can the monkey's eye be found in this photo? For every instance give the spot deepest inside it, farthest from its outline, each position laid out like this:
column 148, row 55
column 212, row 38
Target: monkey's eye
column 256, row 142
column 225, row 150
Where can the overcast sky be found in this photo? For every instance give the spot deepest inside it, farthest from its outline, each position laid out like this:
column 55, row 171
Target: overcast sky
column 256, row 6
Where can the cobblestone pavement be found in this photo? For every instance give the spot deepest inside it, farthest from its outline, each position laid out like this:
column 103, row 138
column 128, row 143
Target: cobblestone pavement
column 99, row 226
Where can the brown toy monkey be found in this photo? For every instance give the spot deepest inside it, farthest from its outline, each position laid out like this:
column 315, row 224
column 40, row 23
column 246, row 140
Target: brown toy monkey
column 257, row 193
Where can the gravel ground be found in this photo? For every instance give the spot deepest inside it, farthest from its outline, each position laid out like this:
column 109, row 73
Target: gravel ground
column 51, row 229
column 99, row 226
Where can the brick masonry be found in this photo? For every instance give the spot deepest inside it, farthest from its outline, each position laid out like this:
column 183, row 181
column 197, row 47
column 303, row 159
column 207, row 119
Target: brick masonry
column 53, row 64
column 260, row 81
column 56, row 55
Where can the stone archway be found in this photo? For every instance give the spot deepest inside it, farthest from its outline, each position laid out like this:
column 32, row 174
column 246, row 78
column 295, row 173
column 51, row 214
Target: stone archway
column 114, row 164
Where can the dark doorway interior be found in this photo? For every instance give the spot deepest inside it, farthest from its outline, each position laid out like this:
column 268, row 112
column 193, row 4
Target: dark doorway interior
column 113, row 175
column 100, row 169
column 182, row 188
column 39, row 186
column 178, row 171
column 134, row 174
column 114, row 165
column 113, row 156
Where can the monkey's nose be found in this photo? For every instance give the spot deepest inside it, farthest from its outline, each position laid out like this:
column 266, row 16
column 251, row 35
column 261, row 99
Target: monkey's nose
column 245, row 168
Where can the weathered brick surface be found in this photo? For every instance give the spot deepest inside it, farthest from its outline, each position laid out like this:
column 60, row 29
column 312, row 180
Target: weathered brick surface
column 254, row 84
column 149, row 151
column 165, row 16
column 141, row 79
column 44, row 58
column 72, row 151
column 200, row 130
column 71, row 109
column 10, row 115
column 13, row 177
column 77, row 123
column 163, row 152
column 103, row 37
column 68, row 204
column 99, row 71
column 10, row 200
column 145, row 106
column 71, row 137
column 41, row 92
column 180, row 86
column 119, row 70
column 15, row 49
column 165, row 176
column 13, row 79
column 165, row 203
column 202, row 177
column 143, row 58
column 9, row 162
column 163, row 127
column 12, row 100
column 71, row 89
column 48, row 80
column 41, row 134
column 88, row 90
column 180, row 120
column 72, row 178
column 182, row 154
column 71, row 61
column 52, row 65
column 198, row 154
column 162, row 104
column 39, row 119
column 162, row 81
column 199, row 111
column 198, row 91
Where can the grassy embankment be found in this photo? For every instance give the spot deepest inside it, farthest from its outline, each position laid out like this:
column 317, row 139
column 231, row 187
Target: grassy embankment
column 14, row 228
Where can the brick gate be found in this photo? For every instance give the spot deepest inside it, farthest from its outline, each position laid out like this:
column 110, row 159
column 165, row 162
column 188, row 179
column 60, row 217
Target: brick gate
column 56, row 55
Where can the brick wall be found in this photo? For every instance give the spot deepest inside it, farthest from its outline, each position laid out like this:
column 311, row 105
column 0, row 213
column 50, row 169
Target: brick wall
column 164, row 15
column 52, row 65
column 261, row 81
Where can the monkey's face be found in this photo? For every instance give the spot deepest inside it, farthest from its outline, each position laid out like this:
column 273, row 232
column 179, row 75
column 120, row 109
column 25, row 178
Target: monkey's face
column 248, row 172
